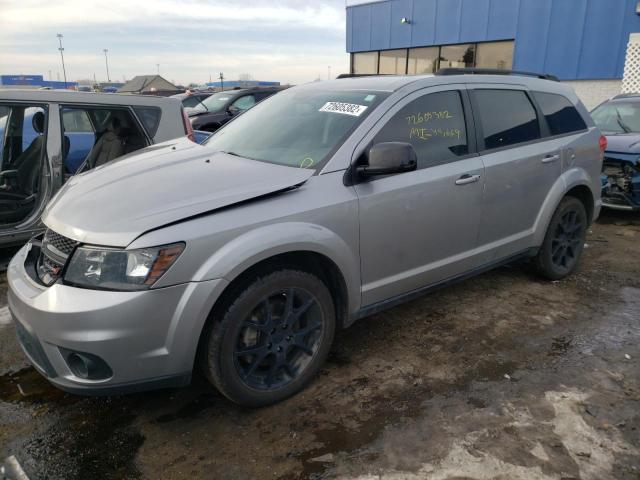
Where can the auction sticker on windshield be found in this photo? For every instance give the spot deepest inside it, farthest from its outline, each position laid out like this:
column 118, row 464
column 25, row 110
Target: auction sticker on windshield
column 344, row 108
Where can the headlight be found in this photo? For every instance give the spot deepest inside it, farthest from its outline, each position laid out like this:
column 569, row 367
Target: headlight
column 115, row 269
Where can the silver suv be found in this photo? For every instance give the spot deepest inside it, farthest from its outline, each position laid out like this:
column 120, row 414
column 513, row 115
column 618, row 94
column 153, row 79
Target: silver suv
column 323, row 204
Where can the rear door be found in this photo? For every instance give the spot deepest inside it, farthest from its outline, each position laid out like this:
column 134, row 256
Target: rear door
column 421, row 227
column 521, row 167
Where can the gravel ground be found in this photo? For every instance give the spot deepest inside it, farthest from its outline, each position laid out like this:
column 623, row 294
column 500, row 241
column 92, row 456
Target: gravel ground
column 503, row 376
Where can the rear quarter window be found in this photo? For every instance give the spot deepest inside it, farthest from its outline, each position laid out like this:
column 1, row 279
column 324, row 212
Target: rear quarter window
column 507, row 117
column 150, row 118
column 561, row 115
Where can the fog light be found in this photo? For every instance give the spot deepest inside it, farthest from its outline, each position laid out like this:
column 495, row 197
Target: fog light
column 86, row 365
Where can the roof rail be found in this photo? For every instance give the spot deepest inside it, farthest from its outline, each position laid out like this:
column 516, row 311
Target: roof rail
column 494, row 71
column 355, row 75
column 625, row 95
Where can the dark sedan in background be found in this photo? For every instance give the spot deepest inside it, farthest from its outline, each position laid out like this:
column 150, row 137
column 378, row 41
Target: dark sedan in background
column 219, row 108
column 192, row 99
column 619, row 120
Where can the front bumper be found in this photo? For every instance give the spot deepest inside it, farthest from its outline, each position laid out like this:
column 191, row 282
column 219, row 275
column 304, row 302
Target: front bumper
column 148, row 339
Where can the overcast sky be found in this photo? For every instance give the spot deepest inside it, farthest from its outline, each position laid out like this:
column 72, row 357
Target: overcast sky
column 284, row 40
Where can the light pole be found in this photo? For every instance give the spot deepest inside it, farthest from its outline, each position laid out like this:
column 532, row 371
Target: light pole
column 158, row 67
column 64, row 72
column 221, row 82
column 106, row 62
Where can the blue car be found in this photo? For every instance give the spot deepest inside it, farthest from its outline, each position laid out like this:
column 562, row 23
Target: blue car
column 619, row 121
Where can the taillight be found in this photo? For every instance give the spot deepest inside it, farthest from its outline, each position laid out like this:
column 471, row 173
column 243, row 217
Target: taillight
column 603, row 143
column 188, row 129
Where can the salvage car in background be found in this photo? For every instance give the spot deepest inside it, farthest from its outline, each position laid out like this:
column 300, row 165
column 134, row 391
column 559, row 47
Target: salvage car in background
column 192, row 99
column 48, row 136
column 321, row 205
column 619, row 120
column 219, row 108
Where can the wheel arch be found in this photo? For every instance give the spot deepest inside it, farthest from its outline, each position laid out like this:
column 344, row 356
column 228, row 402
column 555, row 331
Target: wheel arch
column 576, row 183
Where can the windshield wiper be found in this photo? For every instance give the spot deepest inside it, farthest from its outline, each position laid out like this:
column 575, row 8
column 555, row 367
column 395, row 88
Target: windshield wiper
column 623, row 125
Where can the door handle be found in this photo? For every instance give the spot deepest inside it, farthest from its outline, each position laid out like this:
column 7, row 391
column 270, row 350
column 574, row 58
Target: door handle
column 467, row 179
column 551, row 158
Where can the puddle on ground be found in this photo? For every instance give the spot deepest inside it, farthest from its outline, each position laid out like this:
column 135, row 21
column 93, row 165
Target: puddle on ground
column 27, row 385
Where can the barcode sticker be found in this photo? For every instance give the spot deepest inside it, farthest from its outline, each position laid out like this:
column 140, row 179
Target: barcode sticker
column 344, row 108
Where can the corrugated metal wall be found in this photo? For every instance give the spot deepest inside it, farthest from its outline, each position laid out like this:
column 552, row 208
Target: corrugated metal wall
column 573, row 39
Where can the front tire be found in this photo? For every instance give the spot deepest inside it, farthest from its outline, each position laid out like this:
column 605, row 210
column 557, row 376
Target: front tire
column 270, row 341
column 564, row 240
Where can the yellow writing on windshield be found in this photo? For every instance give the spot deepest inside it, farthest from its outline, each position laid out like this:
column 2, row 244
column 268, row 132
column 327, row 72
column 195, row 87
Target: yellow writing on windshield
column 306, row 162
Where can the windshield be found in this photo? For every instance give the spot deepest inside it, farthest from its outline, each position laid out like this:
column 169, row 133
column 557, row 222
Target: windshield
column 618, row 117
column 297, row 128
column 214, row 103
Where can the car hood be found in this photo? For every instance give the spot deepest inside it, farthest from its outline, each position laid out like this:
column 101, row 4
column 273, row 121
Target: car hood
column 169, row 182
column 624, row 143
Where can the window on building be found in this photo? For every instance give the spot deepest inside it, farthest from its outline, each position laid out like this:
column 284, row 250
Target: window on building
column 434, row 124
column 495, row 55
column 423, row 60
column 365, row 62
column 507, row 117
column 457, row 56
column 562, row 117
column 393, row 62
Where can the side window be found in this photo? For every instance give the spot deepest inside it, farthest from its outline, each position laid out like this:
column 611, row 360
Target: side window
column 94, row 136
column 507, row 117
column 561, row 115
column 79, row 137
column 244, row 103
column 150, row 118
column 190, row 102
column 434, row 124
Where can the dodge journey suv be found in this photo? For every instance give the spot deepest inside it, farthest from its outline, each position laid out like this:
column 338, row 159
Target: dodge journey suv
column 319, row 206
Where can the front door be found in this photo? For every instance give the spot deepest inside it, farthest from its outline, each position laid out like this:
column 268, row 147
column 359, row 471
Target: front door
column 421, row 227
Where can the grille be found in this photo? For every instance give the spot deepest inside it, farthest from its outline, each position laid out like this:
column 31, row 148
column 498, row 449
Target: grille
column 53, row 257
column 63, row 244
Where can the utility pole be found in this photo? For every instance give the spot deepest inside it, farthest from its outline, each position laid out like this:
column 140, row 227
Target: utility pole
column 106, row 62
column 158, row 67
column 59, row 35
column 221, row 82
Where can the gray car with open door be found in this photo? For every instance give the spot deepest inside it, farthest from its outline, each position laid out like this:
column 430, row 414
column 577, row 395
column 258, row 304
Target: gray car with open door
column 46, row 137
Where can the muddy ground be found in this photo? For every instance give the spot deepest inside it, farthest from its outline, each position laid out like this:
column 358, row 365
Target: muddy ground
column 503, row 376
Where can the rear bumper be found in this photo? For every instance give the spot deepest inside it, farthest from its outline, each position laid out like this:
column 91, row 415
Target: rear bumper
column 148, row 339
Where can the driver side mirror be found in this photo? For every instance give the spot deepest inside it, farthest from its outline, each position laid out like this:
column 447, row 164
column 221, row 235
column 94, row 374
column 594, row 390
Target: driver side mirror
column 231, row 110
column 389, row 158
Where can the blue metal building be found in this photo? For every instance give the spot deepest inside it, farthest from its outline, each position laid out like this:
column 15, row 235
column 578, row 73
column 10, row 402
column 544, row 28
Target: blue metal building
column 33, row 81
column 572, row 39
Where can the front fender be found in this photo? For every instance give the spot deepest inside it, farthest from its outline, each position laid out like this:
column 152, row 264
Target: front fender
column 570, row 179
column 252, row 247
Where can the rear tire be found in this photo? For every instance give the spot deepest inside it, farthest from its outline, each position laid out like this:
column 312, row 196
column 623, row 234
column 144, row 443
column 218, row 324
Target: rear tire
column 564, row 241
column 270, row 341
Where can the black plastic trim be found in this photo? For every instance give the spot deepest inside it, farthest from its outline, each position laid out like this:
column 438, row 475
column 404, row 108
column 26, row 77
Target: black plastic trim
column 419, row 292
column 170, row 381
